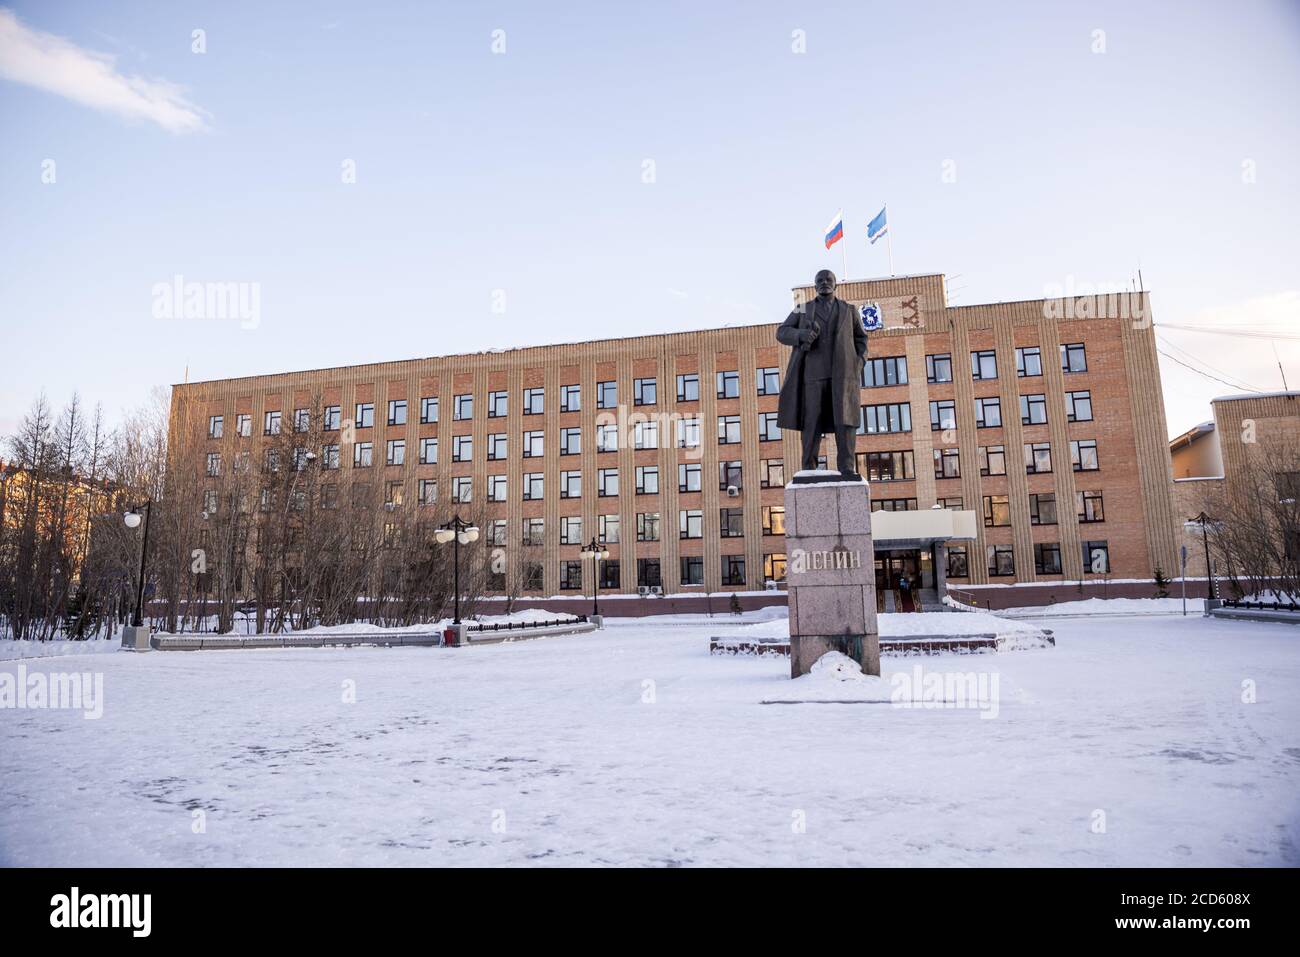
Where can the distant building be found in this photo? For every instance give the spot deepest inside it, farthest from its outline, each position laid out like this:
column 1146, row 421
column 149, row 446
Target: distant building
column 1036, row 428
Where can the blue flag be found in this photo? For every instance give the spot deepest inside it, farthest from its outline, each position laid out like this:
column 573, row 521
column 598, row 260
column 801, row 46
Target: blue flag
column 878, row 226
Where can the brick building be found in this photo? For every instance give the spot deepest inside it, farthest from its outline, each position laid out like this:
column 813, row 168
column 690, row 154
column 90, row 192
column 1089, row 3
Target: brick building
column 1036, row 427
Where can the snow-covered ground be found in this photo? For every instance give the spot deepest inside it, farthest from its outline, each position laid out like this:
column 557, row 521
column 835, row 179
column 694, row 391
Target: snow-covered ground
column 1127, row 744
column 1108, row 606
column 11, row 649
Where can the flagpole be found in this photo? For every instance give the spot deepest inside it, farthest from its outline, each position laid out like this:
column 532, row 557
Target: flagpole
column 844, row 252
column 889, row 239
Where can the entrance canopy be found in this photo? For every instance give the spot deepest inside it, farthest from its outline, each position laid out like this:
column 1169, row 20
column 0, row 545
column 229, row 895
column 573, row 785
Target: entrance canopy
column 920, row 529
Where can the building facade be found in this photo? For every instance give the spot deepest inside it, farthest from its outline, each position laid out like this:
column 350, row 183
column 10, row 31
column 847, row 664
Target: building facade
column 1042, row 420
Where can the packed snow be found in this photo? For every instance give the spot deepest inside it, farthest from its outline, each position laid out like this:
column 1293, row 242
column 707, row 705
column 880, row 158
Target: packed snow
column 1135, row 741
column 1108, row 606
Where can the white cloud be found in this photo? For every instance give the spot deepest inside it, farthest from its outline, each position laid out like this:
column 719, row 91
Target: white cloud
column 59, row 66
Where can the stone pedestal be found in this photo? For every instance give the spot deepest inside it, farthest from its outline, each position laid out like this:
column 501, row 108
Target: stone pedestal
column 136, row 638
column 830, row 571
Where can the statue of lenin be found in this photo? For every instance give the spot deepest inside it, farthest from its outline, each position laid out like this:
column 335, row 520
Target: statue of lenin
column 821, row 389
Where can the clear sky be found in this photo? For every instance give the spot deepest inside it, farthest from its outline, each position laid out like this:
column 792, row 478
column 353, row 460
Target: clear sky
column 1169, row 142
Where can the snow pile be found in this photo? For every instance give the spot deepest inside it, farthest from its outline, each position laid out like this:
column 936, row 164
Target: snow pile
column 11, row 649
column 911, row 624
column 1108, row 606
column 833, row 677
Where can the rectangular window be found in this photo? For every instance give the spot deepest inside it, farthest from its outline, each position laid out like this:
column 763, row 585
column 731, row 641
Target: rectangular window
column 769, row 381
column 729, row 475
column 943, row 415
column 733, row 570
column 767, row 427
column 329, row 496
column 645, row 391
column 692, row 570
column 647, row 526
column 607, row 437
column 1047, row 558
column 645, row 435
column 570, row 398
column 688, row 387
column 647, row 480
column 463, row 407
column 958, row 562
column 1029, row 361
column 429, row 450
column 396, row 412
column 329, row 456
column 947, row 463
column 885, row 371
column 876, row 419
column 1033, row 409
column 394, row 494
column 214, row 464
column 534, row 401
column 362, row 455
column 993, row 460
column 771, row 473
column 534, row 531
column 498, row 404
column 887, row 466
column 731, row 522
column 571, row 484
column 271, row 423
column 952, row 501
column 1042, row 508
column 571, row 530
column 1083, row 455
column 570, row 572
column 301, row 420
column 984, row 364
column 215, row 426
column 774, row 565
column 988, row 412
column 609, row 573
column 428, row 491
column 1002, row 561
column 1038, row 458
column 1078, row 406
column 497, row 488
column 571, row 441
column 773, row 519
column 396, row 452
column 728, row 385
column 428, row 409
column 688, row 433
column 893, row 505
column 607, row 527
column 1096, row 558
column 462, row 448
column 728, row 430
column 244, row 422
column 690, row 523
column 648, row 573
column 365, row 417
column 607, row 483
column 534, row 576
column 938, row 368
column 497, row 446
column 997, row 512
column 1074, row 357
column 534, row 444
column 1089, row 507
column 496, row 532
column 688, row 476
column 534, row 486
column 606, row 395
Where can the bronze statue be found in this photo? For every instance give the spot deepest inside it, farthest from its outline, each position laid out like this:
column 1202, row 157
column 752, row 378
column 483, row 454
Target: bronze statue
column 821, row 389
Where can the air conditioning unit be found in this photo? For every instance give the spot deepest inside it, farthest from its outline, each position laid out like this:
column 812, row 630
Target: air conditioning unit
column 733, row 491
column 643, row 590
column 770, row 585
column 656, row 589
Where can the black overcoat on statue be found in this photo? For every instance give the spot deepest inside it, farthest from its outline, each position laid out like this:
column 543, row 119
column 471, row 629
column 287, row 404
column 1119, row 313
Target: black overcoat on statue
column 846, row 367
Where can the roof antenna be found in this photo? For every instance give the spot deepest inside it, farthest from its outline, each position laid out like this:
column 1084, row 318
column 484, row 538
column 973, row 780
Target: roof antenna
column 1285, row 387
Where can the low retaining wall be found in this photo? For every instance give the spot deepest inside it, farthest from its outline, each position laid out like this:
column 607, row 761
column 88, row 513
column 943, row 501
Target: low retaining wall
column 911, row 645
column 434, row 637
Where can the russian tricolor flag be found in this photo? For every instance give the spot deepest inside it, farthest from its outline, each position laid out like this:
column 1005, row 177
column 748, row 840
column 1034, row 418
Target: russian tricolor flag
column 835, row 231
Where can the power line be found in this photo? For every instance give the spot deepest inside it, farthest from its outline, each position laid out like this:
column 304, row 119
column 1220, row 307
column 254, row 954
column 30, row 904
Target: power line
column 1206, row 374
column 1194, row 358
column 1244, row 333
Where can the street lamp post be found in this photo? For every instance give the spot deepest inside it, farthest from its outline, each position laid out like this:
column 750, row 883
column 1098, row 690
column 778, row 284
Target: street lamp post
column 595, row 553
column 132, row 520
column 458, row 533
column 1203, row 522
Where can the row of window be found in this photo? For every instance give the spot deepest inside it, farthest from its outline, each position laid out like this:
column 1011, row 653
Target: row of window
column 648, row 572
column 899, row 466
column 984, row 363
column 1088, row 508
column 1001, row 559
